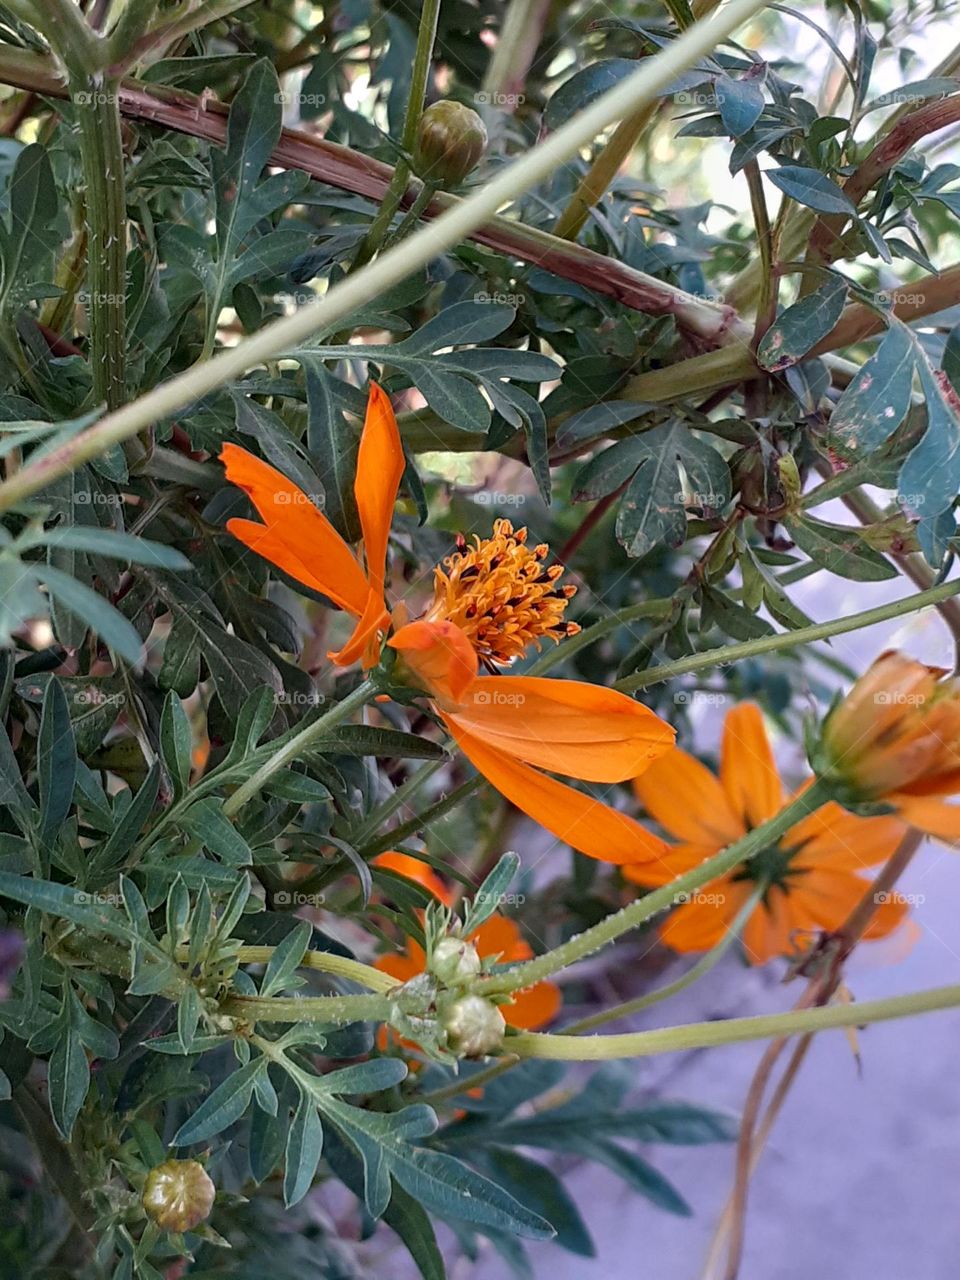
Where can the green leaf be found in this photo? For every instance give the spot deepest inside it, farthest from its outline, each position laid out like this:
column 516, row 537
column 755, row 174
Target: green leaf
column 539, row 1188
column 286, row 959
column 304, row 1145
column 741, row 104
column 837, row 548
column 877, row 399
column 585, row 86
column 56, row 760
column 176, row 742
column 733, row 619
column 930, row 477
column 206, row 821
column 98, row 614
column 110, row 542
column 223, row 1107
column 28, row 241
column 69, row 904
column 802, row 326
column 653, row 508
column 333, row 448
column 68, row 1076
column 132, row 821
column 489, row 897
column 180, row 668
column 812, row 188
column 369, row 740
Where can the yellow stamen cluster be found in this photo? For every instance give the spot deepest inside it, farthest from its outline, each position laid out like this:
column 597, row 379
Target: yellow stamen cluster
column 501, row 595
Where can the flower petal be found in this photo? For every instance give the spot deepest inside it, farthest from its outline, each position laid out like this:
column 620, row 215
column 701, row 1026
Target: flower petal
column 534, row 1007
column 578, row 820
column 769, row 931
column 296, row 536
column 362, row 641
column 411, row 868
column 685, row 798
column 747, row 768
column 704, row 921
column 567, row 726
column 439, row 657
column 839, row 839
column 380, row 467
column 501, row 936
column 930, row 815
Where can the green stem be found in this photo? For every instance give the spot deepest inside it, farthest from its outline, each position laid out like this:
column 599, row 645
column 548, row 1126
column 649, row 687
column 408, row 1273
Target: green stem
column 731, row 653
column 706, row 1035
column 590, row 635
column 629, row 1007
column 426, row 35
column 299, row 743
column 336, row 1010
column 101, row 151
column 394, row 802
column 391, row 267
column 421, row 820
column 326, row 962
column 766, row 836
column 476, row 1080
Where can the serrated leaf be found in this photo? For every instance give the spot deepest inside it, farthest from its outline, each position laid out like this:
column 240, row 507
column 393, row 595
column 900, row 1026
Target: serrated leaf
column 206, row 821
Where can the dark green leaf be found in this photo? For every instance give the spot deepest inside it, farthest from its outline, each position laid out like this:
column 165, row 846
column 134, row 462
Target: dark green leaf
column 802, row 326
column 811, row 188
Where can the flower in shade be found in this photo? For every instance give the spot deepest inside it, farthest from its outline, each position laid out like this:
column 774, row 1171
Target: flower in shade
column 492, row 602
column 894, row 740
column 498, row 938
column 810, row 881
column 415, row 869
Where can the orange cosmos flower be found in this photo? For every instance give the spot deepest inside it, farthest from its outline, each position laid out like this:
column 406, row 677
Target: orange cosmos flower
column 492, row 601
column 299, row 539
column 811, row 878
column 895, row 740
column 497, row 938
column 415, row 869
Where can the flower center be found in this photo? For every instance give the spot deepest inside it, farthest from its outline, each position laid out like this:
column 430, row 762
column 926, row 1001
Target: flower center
column 771, row 867
column 501, row 594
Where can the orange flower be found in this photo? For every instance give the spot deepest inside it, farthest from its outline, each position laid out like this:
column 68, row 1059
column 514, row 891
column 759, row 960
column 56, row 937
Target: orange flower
column 415, row 869
column 895, row 740
column 491, row 602
column 500, row 938
column 810, row 878
column 299, row 539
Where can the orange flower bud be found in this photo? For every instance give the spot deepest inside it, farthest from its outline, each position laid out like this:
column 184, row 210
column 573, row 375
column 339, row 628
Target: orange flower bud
column 896, row 733
column 178, row 1195
column 450, row 141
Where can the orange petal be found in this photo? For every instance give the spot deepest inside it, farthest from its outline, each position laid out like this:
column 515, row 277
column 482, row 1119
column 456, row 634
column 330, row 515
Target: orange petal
column 402, row 965
column 404, row 864
column 439, row 657
column 578, row 820
column 375, row 618
column 837, row 838
column 567, row 726
column 928, row 814
column 380, row 467
column 534, row 1007
column 297, row 537
column 685, row 798
column 675, row 860
column 768, row 933
column 747, row 768
column 704, row 921
column 501, row 936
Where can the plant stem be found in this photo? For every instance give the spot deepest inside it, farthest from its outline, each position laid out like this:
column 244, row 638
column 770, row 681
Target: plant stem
column 391, row 267
column 299, row 743
column 517, row 977
column 596, row 631
column 101, row 151
column 326, row 962
column 421, row 820
column 788, row 639
column 426, row 35
column 629, row 1007
column 705, row 1035
column 336, row 1010
column 476, row 1080
column 602, row 172
column 394, row 802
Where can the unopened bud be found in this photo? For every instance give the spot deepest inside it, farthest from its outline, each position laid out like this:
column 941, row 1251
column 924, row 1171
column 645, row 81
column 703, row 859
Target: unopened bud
column 178, row 1195
column 451, row 139
column 474, row 1027
column 454, row 961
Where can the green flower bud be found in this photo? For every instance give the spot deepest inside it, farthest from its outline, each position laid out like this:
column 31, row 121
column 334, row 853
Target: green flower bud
column 450, row 141
column 474, row 1027
column 454, row 961
column 178, row 1195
